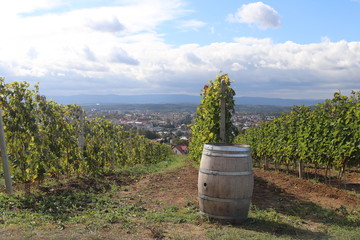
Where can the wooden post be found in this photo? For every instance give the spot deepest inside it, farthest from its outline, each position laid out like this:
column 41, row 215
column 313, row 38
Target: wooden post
column 223, row 113
column 301, row 169
column 82, row 133
column 4, row 157
column 266, row 164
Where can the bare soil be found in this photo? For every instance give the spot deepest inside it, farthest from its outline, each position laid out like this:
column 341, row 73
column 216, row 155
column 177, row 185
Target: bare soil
column 174, row 188
column 271, row 189
column 178, row 187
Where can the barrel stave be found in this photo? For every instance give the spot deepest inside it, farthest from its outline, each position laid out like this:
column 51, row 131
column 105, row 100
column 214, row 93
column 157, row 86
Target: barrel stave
column 226, row 181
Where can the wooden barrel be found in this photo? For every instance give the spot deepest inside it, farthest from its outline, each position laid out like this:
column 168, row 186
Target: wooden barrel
column 226, row 181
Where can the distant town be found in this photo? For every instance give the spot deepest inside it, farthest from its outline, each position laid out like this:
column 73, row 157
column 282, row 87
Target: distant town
column 170, row 122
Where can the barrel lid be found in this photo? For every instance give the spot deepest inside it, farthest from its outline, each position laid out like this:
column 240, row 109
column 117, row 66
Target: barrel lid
column 227, row 147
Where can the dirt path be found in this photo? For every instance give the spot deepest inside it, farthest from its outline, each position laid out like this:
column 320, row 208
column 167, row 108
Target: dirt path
column 177, row 189
column 274, row 188
column 173, row 188
column 271, row 189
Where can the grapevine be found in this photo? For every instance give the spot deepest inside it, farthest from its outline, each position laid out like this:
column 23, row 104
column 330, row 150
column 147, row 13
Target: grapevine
column 207, row 122
column 327, row 136
column 45, row 138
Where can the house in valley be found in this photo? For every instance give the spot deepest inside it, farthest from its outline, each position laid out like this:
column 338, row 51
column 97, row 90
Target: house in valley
column 180, row 149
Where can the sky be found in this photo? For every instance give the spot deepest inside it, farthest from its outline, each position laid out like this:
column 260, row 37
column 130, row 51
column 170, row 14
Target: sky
column 297, row 49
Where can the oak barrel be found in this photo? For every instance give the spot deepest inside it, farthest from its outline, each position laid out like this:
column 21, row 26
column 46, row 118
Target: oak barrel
column 226, row 181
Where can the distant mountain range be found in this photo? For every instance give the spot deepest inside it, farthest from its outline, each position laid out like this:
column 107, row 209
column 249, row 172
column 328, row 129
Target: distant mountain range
column 174, row 99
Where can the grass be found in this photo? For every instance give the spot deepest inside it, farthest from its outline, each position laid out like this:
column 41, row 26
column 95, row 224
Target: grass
column 353, row 192
column 90, row 207
column 271, row 224
column 63, row 200
column 90, row 202
column 175, row 214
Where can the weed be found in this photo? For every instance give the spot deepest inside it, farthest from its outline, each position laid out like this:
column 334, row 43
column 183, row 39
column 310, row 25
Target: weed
column 179, row 237
column 95, row 226
column 313, row 211
column 98, row 206
column 352, row 192
column 174, row 214
column 171, row 208
column 156, row 231
column 314, row 180
column 159, row 202
column 29, row 235
column 229, row 233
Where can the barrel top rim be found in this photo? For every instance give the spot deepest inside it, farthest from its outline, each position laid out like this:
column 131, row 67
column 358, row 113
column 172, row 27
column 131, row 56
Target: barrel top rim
column 235, row 145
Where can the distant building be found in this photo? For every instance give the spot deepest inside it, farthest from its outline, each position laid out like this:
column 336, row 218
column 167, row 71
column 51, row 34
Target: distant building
column 180, row 149
column 269, row 118
column 160, row 140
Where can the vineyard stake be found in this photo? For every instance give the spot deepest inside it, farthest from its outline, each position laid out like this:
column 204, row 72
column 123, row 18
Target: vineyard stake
column 82, row 132
column 4, row 157
column 223, row 113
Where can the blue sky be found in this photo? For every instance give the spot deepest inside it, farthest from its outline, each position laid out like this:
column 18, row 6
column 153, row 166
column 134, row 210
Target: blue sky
column 280, row 48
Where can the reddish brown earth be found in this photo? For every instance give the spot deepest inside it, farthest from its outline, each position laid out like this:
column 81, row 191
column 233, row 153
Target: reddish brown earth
column 271, row 189
column 175, row 188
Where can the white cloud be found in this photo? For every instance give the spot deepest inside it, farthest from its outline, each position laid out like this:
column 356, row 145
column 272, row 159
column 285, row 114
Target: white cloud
column 111, row 25
column 237, row 67
column 256, row 13
column 259, row 66
column 118, row 55
column 253, row 41
column 52, row 42
column 192, row 24
column 192, row 58
column 16, row 7
column 117, row 50
column 88, row 54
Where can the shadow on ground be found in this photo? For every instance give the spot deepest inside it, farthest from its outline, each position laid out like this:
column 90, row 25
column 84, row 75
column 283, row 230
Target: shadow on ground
column 268, row 196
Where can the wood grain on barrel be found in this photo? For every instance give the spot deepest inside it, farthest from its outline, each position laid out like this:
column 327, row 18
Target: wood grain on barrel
column 225, row 182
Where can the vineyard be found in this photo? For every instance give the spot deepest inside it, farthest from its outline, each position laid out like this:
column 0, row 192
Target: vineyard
column 326, row 136
column 48, row 139
column 95, row 180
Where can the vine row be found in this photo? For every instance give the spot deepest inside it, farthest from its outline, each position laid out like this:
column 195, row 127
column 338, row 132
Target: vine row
column 45, row 138
column 324, row 136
